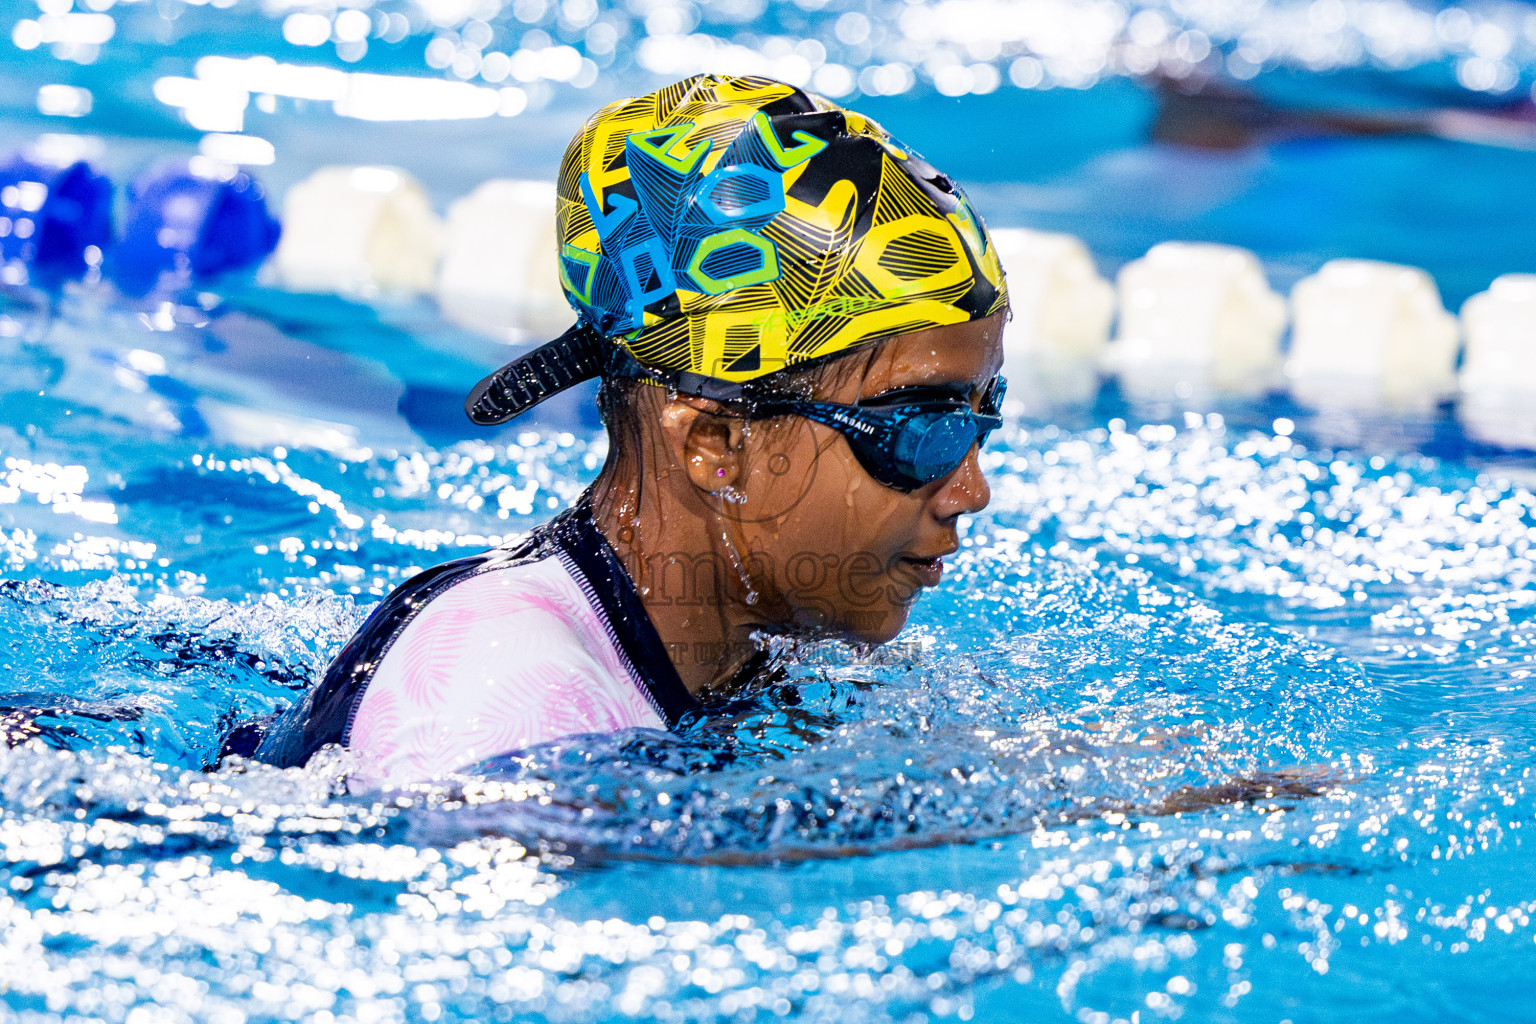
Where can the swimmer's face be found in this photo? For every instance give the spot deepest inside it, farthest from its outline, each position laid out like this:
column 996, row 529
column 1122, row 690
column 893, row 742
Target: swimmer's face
column 830, row 549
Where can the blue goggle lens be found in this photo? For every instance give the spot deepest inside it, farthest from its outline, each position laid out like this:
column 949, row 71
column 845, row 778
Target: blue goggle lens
column 908, row 446
column 934, row 444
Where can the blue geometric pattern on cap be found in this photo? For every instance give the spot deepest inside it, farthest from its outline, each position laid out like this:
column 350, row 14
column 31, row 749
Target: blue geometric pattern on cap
column 680, row 209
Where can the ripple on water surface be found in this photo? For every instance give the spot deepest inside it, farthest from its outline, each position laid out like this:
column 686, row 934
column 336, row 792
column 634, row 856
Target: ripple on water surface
column 1202, row 723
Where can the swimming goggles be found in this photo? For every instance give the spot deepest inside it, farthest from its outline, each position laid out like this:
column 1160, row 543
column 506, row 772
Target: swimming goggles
column 904, row 439
column 902, row 443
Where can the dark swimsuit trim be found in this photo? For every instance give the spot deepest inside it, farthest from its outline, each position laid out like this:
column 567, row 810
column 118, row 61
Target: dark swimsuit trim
column 326, row 714
column 579, row 538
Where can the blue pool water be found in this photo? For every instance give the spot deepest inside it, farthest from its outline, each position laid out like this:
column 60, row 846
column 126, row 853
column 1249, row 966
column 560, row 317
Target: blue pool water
column 1205, row 721
column 1222, row 713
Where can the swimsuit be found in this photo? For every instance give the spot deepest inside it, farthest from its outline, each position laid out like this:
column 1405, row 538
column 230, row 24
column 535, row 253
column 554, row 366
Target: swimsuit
column 488, row 654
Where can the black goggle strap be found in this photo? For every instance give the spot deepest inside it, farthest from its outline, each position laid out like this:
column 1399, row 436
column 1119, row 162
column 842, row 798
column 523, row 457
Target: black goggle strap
column 577, row 355
column 864, row 425
column 871, row 436
column 581, row 353
column 684, row 382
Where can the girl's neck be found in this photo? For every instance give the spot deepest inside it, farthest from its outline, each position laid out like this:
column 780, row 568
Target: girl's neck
column 689, row 579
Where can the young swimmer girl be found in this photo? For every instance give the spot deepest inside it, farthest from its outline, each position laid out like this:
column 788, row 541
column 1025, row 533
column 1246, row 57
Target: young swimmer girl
column 797, row 323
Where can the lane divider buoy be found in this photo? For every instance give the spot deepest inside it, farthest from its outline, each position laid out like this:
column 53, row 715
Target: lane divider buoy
column 1498, row 371
column 1197, row 314
column 358, row 231
column 1062, row 311
column 190, row 221
column 498, row 273
column 1367, row 334
column 55, row 219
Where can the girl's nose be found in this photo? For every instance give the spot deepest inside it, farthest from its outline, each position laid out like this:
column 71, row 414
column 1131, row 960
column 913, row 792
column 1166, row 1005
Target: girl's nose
column 965, row 490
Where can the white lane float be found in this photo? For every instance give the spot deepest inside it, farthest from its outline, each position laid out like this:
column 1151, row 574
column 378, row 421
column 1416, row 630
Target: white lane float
column 1365, row 335
column 1062, row 310
column 1370, row 335
column 1196, row 317
column 1498, row 372
column 358, row 231
column 499, row 273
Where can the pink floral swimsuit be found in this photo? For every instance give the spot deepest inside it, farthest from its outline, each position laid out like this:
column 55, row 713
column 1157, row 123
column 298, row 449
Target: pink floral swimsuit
column 487, row 655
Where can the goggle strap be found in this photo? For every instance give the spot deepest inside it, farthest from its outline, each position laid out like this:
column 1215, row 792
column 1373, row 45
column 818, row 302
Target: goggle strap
column 684, row 382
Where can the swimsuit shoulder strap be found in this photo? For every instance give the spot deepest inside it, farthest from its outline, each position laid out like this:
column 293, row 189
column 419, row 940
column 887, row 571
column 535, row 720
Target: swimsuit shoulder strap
column 606, row 583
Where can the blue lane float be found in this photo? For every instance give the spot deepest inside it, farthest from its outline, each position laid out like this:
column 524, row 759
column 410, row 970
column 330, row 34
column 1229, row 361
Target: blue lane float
column 187, row 225
column 55, row 220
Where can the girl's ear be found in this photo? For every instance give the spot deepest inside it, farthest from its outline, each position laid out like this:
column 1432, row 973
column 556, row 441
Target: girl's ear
column 705, row 441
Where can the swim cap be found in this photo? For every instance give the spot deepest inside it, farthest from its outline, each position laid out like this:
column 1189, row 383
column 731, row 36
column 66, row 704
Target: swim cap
column 728, row 227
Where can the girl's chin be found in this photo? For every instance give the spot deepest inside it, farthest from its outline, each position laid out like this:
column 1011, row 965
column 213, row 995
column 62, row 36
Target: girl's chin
column 872, row 628
column 860, row 626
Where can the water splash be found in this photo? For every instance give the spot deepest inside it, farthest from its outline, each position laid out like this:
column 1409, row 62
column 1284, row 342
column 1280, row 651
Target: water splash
column 1205, row 721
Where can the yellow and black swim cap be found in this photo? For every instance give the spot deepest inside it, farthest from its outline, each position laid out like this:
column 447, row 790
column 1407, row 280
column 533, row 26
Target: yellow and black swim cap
column 729, row 227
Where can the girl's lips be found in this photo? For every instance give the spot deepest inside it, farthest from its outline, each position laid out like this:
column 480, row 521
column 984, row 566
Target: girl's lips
column 929, row 571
